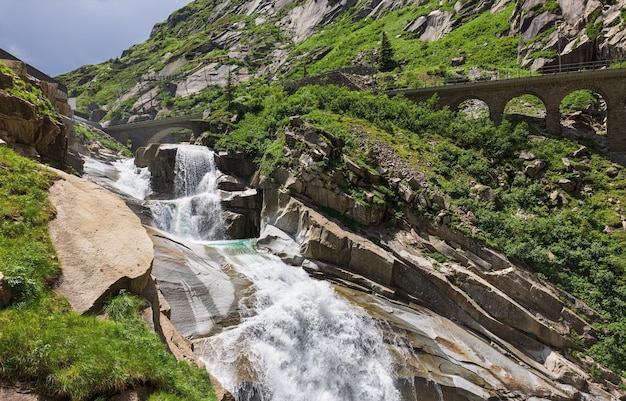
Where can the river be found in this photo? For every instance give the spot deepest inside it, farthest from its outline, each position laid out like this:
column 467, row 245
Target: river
column 297, row 338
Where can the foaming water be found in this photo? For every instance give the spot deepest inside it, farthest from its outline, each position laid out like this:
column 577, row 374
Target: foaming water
column 132, row 180
column 298, row 340
column 122, row 175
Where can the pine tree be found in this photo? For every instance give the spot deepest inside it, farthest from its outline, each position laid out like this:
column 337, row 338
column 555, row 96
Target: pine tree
column 385, row 54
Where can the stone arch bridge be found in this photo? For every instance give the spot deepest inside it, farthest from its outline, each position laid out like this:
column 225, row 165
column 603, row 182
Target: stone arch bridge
column 164, row 130
column 550, row 89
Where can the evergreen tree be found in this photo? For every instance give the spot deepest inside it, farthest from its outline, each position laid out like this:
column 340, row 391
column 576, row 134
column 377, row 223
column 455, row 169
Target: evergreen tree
column 385, row 54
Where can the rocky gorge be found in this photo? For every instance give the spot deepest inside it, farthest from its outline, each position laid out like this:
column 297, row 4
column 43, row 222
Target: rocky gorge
column 488, row 329
column 329, row 189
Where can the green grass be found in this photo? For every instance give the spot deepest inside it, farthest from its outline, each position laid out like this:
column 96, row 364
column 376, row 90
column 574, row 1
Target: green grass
column 480, row 40
column 86, row 136
column 56, row 350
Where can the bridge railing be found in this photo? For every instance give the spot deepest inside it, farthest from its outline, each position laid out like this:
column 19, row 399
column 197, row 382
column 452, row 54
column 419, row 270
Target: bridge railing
column 553, row 69
column 590, row 65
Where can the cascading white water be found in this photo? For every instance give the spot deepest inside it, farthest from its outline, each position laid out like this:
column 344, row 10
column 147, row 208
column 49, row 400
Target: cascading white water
column 123, row 175
column 132, row 180
column 196, row 212
column 300, row 340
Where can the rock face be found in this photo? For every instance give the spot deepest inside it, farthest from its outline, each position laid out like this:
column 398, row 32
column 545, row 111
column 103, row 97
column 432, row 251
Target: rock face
column 27, row 130
column 102, row 246
column 182, row 274
column 241, row 203
column 518, row 320
column 432, row 27
column 588, row 31
column 5, row 292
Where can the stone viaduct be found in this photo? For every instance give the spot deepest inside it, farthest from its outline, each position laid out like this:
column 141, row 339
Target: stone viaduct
column 550, row 88
column 164, row 130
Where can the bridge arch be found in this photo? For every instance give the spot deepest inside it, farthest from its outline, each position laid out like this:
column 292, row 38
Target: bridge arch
column 171, row 135
column 585, row 110
column 516, row 93
column 140, row 133
column 457, row 103
column 474, row 107
column 587, row 85
column 526, row 105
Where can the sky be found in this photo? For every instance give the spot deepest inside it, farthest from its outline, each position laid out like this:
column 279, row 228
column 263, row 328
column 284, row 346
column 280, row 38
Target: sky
column 58, row 36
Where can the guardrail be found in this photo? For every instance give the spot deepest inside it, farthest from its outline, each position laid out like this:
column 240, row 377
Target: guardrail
column 161, row 121
column 553, row 69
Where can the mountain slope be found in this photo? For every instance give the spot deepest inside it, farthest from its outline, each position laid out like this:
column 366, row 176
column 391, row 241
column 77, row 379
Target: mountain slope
column 548, row 203
column 209, row 45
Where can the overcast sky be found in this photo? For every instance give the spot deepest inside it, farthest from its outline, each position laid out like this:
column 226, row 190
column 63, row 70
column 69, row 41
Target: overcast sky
column 58, row 36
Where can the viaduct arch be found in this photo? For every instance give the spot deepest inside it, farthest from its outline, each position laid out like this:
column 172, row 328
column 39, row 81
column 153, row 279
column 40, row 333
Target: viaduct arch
column 550, row 89
column 141, row 133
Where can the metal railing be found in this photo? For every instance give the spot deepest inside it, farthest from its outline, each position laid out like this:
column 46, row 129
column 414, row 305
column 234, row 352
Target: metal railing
column 521, row 73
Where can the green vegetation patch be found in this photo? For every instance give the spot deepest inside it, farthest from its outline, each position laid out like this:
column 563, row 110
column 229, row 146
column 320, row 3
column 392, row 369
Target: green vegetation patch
column 480, row 40
column 27, row 257
column 86, row 135
column 28, row 92
column 573, row 240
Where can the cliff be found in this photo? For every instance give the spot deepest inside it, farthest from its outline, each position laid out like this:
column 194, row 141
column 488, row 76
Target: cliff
column 488, row 327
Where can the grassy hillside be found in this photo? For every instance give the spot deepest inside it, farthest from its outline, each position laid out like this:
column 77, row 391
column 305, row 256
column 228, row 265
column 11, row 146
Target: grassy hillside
column 188, row 34
column 573, row 239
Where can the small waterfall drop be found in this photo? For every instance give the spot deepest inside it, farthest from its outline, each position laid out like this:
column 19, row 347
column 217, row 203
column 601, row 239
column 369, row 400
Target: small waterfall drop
column 196, row 212
column 299, row 339
column 132, row 180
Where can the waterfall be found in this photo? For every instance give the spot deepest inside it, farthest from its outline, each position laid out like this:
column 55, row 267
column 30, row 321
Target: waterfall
column 196, row 212
column 298, row 340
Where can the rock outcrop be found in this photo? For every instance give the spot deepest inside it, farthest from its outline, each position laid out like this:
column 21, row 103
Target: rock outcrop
column 101, row 244
column 524, row 327
column 5, row 292
column 585, row 32
column 26, row 128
